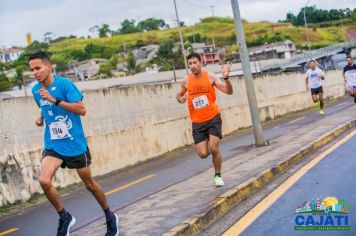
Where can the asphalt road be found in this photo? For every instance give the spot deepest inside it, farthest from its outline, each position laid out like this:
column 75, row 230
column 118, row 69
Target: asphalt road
column 332, row 175
column 132, row 184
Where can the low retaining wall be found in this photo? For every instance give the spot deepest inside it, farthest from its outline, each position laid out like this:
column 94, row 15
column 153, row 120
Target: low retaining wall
column 131, row 124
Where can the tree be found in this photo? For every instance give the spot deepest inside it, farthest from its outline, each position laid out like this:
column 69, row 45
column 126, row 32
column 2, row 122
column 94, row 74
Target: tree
column 35, row 46
column 104, row 31
column 113, row 61
column 62, row 61
column 196, row 38
column 128, row 27
column 79, row 55
column 139, row 43
column 94, row 29
column 93, row 51
column 166, row 57
column 5, row 65
column 19, row 79
column 61, row 38
column 105, row 68
column 291, row 18
column 5, row 84
column 132, row 67
column 47, row 37
column 152, row 24
column 109, row 65
column 314, row 15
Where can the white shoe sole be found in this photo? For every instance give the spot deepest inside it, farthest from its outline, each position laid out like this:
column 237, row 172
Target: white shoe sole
column 117, row 224
column 71, row 224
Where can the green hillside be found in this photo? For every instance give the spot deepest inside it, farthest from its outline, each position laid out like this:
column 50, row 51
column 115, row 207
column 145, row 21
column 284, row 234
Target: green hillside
column 223, row 31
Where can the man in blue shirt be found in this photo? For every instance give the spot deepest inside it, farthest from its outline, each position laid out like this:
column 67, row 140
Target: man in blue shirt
column 65, row 145
column 349, row 75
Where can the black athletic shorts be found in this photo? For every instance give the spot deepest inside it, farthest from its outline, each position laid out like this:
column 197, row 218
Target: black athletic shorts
column 316, row 91
column 71, row 162
column 201, row 131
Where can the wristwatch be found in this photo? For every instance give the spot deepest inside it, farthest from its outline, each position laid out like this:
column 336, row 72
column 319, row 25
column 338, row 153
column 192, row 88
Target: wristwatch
column 57, row 102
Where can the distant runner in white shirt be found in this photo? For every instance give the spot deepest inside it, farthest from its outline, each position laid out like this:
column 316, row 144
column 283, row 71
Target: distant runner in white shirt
column 313, row 81
column 349, row 75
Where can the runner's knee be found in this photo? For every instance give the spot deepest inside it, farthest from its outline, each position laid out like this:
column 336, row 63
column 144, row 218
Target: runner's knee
column 214, row 150
column 203, row 154
column 45, row 183
column 90, row 186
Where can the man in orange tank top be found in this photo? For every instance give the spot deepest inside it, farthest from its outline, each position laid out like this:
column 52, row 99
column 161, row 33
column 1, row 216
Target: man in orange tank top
column 198, row 89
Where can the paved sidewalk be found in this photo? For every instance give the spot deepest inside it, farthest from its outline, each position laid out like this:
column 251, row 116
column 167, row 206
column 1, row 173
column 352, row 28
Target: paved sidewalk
column 162, row 211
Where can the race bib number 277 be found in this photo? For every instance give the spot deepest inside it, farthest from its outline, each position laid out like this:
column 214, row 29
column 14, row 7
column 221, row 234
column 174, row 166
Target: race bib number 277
column 200, row 102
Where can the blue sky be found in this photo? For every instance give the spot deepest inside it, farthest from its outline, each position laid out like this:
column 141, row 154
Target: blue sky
column 65, row 17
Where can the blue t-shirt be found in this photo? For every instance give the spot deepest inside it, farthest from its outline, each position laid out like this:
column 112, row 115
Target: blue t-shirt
column 63, row 132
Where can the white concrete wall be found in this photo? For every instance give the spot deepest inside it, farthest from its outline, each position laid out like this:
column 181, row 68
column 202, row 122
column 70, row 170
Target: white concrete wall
column 127, row 125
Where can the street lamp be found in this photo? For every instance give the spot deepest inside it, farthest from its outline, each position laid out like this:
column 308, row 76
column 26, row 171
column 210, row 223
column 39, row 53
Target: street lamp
column 181, row 38
column 246, row 67
column 305, row 24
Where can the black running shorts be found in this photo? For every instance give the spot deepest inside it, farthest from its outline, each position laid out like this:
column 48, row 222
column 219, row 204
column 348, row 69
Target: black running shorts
column 71, row 162
column 316, row 91
column 201, row 131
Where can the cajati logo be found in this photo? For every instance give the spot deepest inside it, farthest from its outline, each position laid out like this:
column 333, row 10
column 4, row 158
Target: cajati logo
column 327, row 214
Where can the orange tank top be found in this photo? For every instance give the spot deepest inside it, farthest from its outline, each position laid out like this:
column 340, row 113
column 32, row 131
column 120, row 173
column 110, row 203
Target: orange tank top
column 201, row 98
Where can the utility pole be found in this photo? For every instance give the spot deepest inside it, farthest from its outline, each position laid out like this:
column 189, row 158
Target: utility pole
column 246, row 67
column 213, row 39
column 212, row 10
column 181, row 37
column 306, row 25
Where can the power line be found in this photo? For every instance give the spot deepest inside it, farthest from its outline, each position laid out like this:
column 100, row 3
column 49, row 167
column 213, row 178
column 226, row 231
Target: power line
column 203, row 7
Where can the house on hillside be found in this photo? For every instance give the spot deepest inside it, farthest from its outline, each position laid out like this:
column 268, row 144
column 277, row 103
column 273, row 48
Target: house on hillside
column 145, row 53
column 10, row 54
column 209, row 54
column 85, row 70
column 351, row 34
column 278, row 50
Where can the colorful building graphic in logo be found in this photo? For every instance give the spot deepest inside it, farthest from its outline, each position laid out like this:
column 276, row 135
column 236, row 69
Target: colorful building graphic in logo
column 327, row 214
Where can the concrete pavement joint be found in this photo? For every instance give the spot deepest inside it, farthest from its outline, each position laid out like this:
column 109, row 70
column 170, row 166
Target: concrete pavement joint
column 219, row 206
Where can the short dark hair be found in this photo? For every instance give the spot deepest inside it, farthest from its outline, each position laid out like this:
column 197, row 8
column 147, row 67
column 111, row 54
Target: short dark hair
column 40, row 55
column 312, row 61
column 194, row 55
column 349, row 57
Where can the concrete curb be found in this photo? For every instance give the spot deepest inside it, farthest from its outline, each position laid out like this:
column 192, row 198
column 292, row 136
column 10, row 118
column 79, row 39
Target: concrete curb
column 218, row 207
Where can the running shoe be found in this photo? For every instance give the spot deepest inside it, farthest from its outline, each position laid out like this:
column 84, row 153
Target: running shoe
column 64, row 225
column 322, row 112
column 112, row 226
column 219, row 182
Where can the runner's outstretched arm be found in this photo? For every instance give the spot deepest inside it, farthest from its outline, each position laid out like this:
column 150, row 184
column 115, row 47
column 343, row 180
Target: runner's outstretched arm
column 225, row 86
